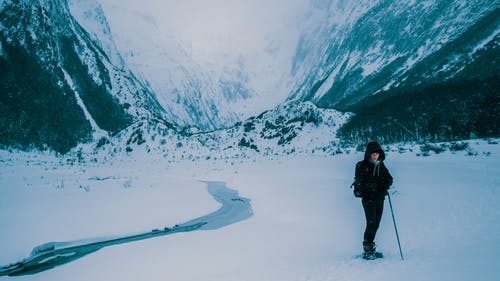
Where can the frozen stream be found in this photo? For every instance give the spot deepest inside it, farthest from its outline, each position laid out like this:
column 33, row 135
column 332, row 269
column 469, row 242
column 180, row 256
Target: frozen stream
column 234, row 209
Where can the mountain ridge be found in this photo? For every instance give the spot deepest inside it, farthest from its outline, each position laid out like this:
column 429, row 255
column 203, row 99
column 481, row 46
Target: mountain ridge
column 64, row 82
column 58, row 88
column 389, row 45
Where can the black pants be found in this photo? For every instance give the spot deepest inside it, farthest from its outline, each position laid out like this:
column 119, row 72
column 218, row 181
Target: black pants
column 373, row 213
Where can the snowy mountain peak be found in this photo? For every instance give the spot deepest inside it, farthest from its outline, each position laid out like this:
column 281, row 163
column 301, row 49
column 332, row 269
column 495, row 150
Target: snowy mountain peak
column 206, row 89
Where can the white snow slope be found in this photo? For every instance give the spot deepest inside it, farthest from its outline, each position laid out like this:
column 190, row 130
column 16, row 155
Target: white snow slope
column 210, row 64
column 306, row 224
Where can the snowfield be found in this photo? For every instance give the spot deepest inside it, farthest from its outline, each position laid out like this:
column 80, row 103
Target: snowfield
column 306, row 224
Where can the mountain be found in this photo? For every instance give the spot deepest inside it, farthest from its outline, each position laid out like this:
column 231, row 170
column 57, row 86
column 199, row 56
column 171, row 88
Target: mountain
column 355, row 49
column 186, row 93
column 455, row 110
column 291, row 127
column 210, row 90
column 381, row 58
column 58, row 87
column 91, row 17
column 101, row 73
column 189, row 96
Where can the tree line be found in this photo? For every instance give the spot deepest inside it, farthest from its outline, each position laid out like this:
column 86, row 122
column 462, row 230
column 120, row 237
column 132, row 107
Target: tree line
column 447, row 111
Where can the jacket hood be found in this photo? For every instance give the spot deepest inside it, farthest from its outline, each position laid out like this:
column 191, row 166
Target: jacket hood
column 374, row 147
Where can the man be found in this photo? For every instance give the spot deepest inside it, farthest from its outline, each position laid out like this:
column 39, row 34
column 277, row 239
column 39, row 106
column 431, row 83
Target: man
column 372, row 180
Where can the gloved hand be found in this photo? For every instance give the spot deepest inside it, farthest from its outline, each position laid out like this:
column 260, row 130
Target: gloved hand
column 357, row 190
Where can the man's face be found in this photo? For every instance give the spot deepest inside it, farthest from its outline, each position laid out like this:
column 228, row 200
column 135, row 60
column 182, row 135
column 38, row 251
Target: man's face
column 375, row 156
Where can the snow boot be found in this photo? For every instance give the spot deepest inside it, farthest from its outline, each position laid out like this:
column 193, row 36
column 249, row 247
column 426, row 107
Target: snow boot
column 370, row 252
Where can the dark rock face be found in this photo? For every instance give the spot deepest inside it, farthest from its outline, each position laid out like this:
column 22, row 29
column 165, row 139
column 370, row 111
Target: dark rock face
column 57, row 88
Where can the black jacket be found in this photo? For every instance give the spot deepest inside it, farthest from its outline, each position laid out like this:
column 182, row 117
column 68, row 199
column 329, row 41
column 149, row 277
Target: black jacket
column 373, row 179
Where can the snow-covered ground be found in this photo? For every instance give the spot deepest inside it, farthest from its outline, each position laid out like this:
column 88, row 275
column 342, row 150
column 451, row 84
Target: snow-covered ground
column 306, row 224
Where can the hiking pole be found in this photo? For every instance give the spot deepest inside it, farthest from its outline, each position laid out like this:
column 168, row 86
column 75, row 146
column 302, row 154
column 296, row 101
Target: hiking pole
column 395, row 228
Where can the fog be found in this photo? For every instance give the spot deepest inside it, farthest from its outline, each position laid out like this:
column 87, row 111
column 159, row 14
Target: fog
column 223, row 26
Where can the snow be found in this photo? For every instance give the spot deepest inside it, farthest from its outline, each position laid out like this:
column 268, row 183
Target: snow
column 328, row 84
column 401, row 34
column 88, row 56
column 306, row 224
column 427, row 4
column 210, row 65
column 97, row 132
column 486, row 41
column 89, row 14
